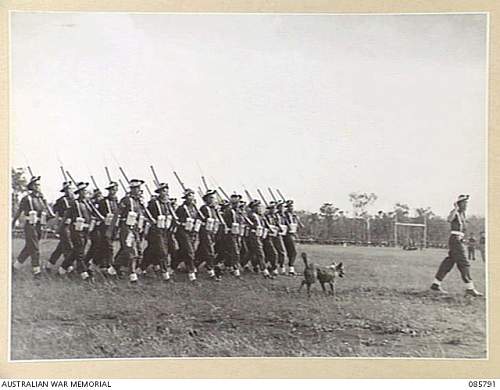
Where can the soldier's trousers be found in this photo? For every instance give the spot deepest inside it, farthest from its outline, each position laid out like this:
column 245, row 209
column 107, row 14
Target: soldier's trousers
column 456, row 255
column 291, row 251
column 244, row 252
column 206, row 249
column 186, row 252
column 79, row 241
column 156, row 253
column 130, row 251
column 233, row 250
column 93, row 252
column 64, row 246
column 106, row 246
column 280, row 249
column 220, row 248
column 31, row 248
column 270, row 253
column 256, row 249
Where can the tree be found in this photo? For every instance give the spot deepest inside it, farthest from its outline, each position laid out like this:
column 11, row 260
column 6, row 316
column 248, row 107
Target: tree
column 402, row 211
column 328, row 212
column 360, row 201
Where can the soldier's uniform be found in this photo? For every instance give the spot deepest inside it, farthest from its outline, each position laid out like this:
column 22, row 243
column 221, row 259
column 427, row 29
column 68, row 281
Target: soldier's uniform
column 457, row 251
column 80, row 215
column 64, row 246
column 232, row 220
column 94, row 252
column 131, row 212
column 292, row 222
column 255, row 238
column 206, row 248
column 187, row 234
column 280, row 222
column 34, row 208
column 221, row 242
column 270, row 233
column 108, row 207
column 158, row 249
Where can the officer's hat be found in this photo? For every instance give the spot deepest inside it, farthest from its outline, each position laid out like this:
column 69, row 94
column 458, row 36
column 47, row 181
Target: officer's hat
column 209, row 193
column 289, row 203
column 187, row 192
column 462, row 198
column 32, row 181
column 236, row 196
column 134, row 183
column 65, row 186
column 161, row 186
column 80, row 186
column 280, row 203
column 111, row 185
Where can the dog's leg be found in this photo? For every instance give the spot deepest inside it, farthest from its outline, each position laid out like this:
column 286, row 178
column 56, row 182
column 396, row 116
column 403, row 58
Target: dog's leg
column 323, row 287
column 309, row 290
column 302, row 285
column 332, row 290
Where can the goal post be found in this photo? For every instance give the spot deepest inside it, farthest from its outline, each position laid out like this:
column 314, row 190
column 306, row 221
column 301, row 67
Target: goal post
column 410, row 225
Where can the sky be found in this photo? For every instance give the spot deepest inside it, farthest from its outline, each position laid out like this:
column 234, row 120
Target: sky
column 318, row 106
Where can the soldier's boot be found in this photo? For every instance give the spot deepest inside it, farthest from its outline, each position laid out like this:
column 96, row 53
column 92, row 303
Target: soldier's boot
column 165, row 276
column 473, row 292
column 291, row 271
column 437, row 287
column 133, row 277
column 192, row 277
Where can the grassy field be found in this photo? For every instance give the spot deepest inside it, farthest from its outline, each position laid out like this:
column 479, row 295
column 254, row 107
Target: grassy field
column 383, row 309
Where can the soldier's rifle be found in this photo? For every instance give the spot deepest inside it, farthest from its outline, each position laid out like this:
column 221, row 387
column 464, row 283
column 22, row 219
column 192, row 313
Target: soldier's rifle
column 262, row 197
column 272, row 195
column 280, row 194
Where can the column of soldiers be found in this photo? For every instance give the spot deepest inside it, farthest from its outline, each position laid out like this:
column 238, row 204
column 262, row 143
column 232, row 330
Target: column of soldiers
column 158, row 235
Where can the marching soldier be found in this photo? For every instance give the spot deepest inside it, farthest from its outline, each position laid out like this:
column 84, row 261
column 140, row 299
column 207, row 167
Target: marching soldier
column 187, row 232
column 80, row 215
column 271, row 233
column 35, row 210
column 292, row 221
column 457, row 250
column 132, row 218
column 206, row 247
column 158, row 249
column 279, row 221
column 255, row 236
column 232, row 220
column 221, row 241
column 64, row 246
column 92, row 256
column 108, row 207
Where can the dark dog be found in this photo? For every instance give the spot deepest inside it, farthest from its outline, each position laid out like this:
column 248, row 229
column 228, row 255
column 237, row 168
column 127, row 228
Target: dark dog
column 328, row 275
column 310, row 275
column 325, row 275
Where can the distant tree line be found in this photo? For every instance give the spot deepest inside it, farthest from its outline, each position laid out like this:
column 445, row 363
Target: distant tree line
column 331, row 224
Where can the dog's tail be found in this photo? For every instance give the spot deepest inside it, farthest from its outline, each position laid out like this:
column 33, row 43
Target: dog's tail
column 304, row 257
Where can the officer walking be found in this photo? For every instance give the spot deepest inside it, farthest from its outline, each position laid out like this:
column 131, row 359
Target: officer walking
column 292, row 221
column 456, row 253
column 256, row 249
